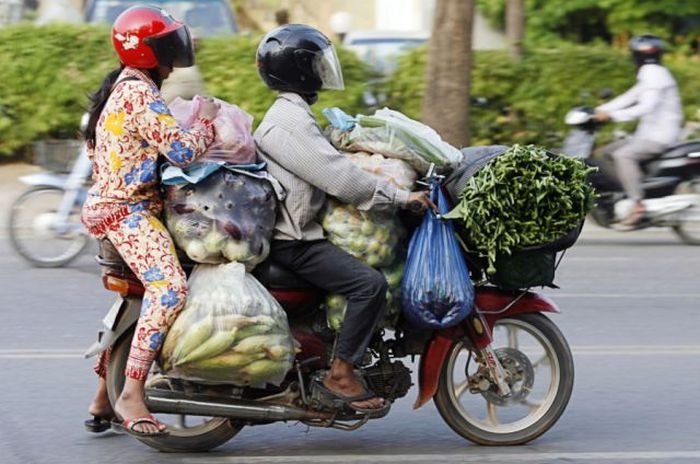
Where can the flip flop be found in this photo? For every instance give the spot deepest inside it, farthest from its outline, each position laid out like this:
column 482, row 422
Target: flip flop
column 335, row 400
column 98, row 424
column 127, row 426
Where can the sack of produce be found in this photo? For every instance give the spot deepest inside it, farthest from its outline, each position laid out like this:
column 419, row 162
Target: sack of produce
column 227, row 216
column 523, row 198
column 393, row 135
column 231, row 331
column 337, row 304
column 436, row 289
column 395, row 171
column 370, row 236
column 234, row 142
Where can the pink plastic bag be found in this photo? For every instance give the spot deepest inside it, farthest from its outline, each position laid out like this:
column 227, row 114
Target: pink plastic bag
column 234, row 140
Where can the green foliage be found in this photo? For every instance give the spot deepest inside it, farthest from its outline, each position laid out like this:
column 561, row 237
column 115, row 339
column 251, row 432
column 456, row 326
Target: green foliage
column 48, row 73
column 527, row 100
column 590, row 20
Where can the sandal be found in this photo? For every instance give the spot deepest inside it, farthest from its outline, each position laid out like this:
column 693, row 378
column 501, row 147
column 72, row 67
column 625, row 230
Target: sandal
column 98, row 424
column 333, row 400
column 128, row 426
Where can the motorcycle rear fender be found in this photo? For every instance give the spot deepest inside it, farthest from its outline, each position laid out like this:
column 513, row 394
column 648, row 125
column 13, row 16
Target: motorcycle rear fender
column 121, row 316
column 491, row 304
column 45, row 178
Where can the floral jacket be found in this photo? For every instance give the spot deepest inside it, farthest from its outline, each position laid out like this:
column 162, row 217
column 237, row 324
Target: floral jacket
column 134, row 130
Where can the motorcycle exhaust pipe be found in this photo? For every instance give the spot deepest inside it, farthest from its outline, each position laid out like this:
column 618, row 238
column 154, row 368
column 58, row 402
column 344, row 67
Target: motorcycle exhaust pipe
column 233, row 409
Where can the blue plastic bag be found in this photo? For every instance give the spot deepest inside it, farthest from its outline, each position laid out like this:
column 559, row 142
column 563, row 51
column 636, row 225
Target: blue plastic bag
column 436, row 291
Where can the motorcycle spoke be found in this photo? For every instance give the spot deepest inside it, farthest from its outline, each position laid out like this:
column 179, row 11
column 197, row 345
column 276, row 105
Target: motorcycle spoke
column 461, row 388
column 512, row 334
column 492, row 414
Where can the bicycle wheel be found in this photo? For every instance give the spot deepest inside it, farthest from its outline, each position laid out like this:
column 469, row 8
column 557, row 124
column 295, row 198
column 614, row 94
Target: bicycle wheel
column 37, row 232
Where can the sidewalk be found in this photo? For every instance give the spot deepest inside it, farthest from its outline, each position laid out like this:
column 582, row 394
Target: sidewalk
column 10, row 185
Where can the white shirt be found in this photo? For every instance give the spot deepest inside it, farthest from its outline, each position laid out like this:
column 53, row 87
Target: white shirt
column 655, row 101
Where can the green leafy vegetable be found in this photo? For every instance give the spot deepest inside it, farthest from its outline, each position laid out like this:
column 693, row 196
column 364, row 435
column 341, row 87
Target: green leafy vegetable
column 522, row 198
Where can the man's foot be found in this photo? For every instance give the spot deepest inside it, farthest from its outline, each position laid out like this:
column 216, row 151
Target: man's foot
column 634, row 218
column 350, row 387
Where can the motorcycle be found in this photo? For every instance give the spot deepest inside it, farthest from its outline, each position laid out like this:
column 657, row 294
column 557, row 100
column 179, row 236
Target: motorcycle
column 503, row 376
column 44, row 221
column 671, row 181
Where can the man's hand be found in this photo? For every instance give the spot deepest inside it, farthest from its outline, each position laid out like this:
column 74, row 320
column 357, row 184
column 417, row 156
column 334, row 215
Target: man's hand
column 418, row 202
column 601, row 116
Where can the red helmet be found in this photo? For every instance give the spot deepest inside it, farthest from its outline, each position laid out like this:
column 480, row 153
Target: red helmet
column 145, row 37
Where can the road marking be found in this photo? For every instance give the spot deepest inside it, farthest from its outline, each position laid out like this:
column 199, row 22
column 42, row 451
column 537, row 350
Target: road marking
column 581, row 350
column 645, row 296
column 47, row 353
column 520, row 456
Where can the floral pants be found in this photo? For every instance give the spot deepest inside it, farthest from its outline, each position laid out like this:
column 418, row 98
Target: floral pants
column 147, row 248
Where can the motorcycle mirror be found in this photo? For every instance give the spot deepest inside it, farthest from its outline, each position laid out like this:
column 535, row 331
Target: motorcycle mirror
column 579, row 115
column 84, row 121
column 606, row 93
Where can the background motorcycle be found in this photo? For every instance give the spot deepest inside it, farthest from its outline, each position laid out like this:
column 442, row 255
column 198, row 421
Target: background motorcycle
column 44, row 221
column 501, row 377
column 671, row 181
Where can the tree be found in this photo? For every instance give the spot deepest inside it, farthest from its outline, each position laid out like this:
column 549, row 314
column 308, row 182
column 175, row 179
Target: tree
column 448, row 71
column 515, row 27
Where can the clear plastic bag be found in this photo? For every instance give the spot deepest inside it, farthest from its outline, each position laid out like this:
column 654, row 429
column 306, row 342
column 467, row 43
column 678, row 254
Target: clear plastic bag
column 234, row 142
column 231, row 331
column 436, row 290
column 225, row 217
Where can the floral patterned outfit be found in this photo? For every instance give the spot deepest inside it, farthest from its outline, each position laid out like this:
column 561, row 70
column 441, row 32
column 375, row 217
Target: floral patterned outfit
column 124, row 204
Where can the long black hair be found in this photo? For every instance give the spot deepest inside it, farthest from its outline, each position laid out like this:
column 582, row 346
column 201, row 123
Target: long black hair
column 98, row 100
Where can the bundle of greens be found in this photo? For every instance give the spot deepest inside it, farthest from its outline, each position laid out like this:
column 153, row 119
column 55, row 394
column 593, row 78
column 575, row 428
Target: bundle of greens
column 524, row 197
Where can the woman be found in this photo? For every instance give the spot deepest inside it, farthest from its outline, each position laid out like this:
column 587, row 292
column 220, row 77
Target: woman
column 130, row 126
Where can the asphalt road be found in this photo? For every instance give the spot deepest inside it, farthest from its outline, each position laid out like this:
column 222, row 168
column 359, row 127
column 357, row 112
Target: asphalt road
column 629, row 310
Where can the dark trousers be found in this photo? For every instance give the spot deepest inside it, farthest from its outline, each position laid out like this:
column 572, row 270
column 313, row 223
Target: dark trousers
column 331, row 269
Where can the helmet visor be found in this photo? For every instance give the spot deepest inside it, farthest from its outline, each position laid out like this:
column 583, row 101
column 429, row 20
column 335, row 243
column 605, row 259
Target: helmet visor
column 174, row 49
column 327, row 67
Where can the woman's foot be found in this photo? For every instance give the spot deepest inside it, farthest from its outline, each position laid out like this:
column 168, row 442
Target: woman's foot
column 130, row 409
column 100, row 405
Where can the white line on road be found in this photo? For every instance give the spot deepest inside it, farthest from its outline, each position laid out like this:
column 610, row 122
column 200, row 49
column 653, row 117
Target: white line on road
column 520, row 456
column 582, row 350
column 645, row 296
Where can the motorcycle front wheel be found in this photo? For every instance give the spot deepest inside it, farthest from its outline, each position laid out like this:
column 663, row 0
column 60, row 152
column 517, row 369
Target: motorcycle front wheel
column 688, row 227
column 37, row 232
column 540, row 373
column 186, row 433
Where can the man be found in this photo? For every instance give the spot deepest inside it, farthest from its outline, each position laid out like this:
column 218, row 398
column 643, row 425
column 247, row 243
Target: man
column 655, row 101
column 298, row 61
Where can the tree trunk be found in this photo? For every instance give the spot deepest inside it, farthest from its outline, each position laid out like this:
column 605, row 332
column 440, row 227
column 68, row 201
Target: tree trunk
column 515, row 27
column 448, row 71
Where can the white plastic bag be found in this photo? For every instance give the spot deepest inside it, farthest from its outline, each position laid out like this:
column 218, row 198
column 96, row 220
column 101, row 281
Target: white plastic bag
column 231, row 331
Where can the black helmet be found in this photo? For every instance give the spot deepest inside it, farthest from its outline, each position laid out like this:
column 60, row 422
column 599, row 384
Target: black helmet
column 646, row 49
column 300, row 59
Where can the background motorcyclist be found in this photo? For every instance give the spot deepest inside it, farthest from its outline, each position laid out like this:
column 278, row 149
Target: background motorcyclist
column 654, row 100
column 298, row 61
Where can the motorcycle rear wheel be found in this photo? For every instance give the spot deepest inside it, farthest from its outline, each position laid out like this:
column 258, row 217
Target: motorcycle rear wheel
column 527, row 345
column 32, row 230
column 186, row 433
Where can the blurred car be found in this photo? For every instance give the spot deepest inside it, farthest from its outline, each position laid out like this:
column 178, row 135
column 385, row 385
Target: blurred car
column 205, row 18
column 381, row 49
